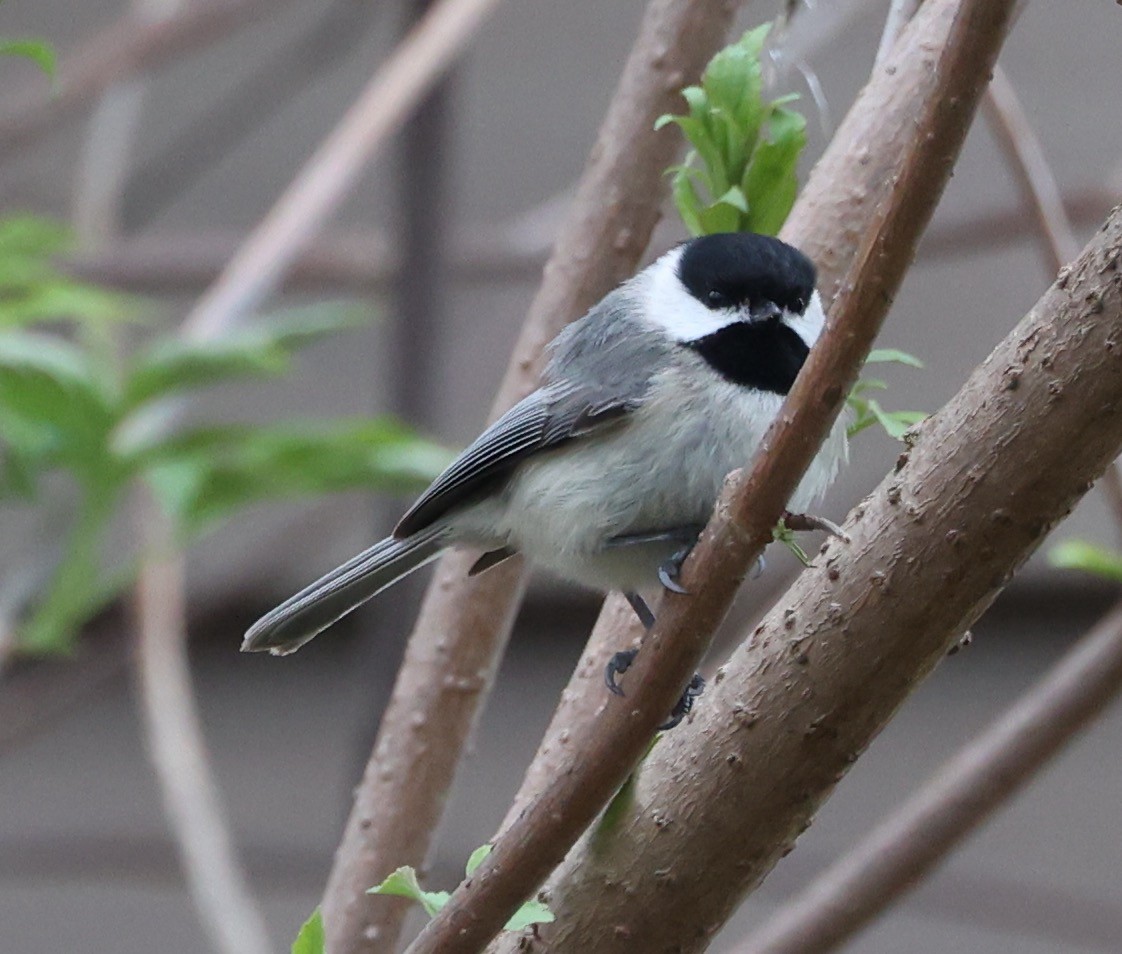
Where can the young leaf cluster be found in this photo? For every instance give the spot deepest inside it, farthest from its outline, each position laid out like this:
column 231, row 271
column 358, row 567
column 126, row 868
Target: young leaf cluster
column 740, row 175
column 39, row 52
column 403, row 883
column 70, row 406
column 1086, row 556
column 867, row 411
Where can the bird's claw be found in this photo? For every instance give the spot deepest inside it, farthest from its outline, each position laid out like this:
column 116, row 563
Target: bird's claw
column 684, row 705
column 617, row 666
column 671, row 569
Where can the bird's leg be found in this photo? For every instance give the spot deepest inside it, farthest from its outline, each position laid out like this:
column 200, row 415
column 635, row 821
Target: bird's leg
column 683, row 706
column 671, row 568
column 621, row 662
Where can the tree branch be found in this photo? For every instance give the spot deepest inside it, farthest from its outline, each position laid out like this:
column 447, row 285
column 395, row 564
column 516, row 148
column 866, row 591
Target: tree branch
column 599, row 759
column 176, row 749
column 984, row 481
column 381, row 109
column 900, row 12
column 464, row 622
column 1025, row 158
column 901, row 851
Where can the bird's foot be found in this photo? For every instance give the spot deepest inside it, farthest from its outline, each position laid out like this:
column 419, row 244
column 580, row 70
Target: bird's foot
column 622, row 661
column 684, row 705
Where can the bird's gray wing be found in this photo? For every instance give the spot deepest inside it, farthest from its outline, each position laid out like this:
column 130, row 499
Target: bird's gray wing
column 550, row 416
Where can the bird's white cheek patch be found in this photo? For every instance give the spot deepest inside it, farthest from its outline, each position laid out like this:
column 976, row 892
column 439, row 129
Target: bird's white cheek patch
column 666, row 303
column 809, row 324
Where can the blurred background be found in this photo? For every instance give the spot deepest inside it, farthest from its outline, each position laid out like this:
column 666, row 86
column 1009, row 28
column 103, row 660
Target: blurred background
column 440, row 250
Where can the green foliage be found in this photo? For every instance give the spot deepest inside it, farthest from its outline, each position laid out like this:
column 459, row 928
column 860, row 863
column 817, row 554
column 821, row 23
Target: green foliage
column 32, row 289
column 867, row 411
column 311, row 939
column 403, row 883
column 69, row 405
column 740, row 175
column 40, row 53
column 1081, row 555
column 781, row 533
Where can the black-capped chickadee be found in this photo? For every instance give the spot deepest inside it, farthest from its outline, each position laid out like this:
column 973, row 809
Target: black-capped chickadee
column 607, row 473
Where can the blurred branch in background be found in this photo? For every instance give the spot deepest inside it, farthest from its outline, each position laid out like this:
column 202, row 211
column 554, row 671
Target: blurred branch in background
column 176, row 747
column 394, row 91
column 224, row 125
column 1024, row 155
column 169, row 710
column 895, row 857
column 133, row 44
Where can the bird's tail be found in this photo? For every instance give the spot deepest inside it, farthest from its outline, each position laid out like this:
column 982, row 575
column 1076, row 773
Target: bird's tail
column 301, row 617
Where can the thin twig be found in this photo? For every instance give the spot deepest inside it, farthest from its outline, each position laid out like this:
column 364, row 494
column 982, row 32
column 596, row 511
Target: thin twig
column 176, row 748
column 900, row 14
column 460, row 635
column 961, row 43
column 1025, row 157
column 388, row 100
column 131, row 45
column 901, row 851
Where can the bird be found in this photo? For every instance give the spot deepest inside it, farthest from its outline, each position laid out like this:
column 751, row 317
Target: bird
column 608, row 471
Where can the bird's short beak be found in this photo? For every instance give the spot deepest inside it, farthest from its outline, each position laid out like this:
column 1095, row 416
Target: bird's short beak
column 764, row 311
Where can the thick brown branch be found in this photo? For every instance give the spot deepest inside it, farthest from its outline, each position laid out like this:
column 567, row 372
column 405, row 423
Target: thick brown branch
column 719, row 802
column 464, row 622
column 897, row 855
column 957, row 44
column 133, row 44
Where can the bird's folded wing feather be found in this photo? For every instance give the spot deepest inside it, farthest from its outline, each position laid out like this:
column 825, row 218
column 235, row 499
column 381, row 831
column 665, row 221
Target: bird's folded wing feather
column 547, row 418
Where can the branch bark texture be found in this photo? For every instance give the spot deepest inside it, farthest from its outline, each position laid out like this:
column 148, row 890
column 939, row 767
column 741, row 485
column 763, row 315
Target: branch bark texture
column 900, row 852
column 464, row 622
column 595, row 766
column 720, row 801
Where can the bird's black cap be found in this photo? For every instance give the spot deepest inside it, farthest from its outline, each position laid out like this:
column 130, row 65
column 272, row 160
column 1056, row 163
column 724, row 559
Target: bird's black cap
column 734, row 268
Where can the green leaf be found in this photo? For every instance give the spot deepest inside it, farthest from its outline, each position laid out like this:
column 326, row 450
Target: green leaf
column 892, row 354
column 42, row 54
column 177, row 365
column 403, row 883
column 53, row 400
column 895, row 423
column 206, row 474
column 1081, row 555
column 311, row 938
column 531, row 912
column 771, row 180
column 781, row 533
column 476, row 859
column 735, row 198
column 30, row 235
column 718, row 218
column 687, row 201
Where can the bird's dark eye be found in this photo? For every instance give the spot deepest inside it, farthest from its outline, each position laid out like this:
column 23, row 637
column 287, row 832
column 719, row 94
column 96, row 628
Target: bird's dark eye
column 716, row 299
column 800, row 305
